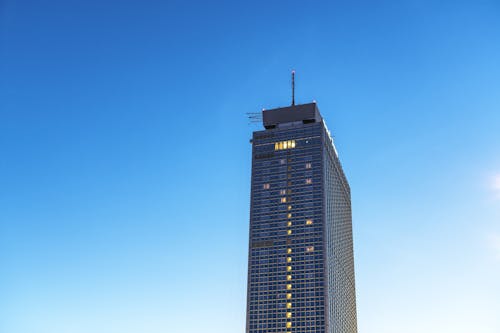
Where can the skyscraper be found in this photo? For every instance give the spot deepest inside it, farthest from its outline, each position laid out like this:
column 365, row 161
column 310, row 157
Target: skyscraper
column 300, row 263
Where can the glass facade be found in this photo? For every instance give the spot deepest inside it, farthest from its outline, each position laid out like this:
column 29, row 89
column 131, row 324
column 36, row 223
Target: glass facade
column 301, row 274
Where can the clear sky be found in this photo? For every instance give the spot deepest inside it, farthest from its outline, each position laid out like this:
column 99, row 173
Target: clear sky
column 125, row 157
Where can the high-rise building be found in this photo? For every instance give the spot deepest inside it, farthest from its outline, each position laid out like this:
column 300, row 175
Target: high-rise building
column 300, row 263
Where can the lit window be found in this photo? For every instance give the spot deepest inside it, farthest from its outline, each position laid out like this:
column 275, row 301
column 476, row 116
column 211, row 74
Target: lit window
column 288, row 287
column 289, row 207
column 288, row 277
column 288, row 305
column 288, row 268
column 309, row 181
column 308, row 165
column 289, row 224
column 288, row 296
column 289, row 232
column 266, row 186
column 309, row 222
column 284, row 145
column 289, row 251
column 289, row 315
column 288, row 259
column 283, row 200
column 282, row 192
column 289, row 215
column 309, row 248
column 288, row 325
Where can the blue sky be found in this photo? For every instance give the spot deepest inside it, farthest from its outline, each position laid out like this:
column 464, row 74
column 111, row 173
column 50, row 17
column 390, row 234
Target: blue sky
column 124, row 177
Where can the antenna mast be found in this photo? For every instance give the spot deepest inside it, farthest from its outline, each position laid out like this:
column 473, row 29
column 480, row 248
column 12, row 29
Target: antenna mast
column 293, row 87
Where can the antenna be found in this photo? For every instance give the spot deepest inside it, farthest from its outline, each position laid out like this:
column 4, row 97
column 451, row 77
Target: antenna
column 293, row 87
column 254, row 117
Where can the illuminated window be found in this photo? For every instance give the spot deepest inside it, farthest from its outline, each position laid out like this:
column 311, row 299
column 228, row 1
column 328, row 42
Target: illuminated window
column 289, row 251
column 289, row 315
column 289, row 215
column 283, row 200
column 288, row 305
column 266, row 186
column 288, row 259
column 289, row 207
column 284, row 145
column 288, row 286
column 309, row 248
column 309, row 181
column 289, row 232
column 288, row 296
column 282, row 192
column 308, row 165
column 288, row 325
column 288, row 277
column 288, row 268
column 309, row 222
column 289, row 224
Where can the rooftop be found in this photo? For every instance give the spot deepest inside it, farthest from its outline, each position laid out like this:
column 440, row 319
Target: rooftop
column 290, row 115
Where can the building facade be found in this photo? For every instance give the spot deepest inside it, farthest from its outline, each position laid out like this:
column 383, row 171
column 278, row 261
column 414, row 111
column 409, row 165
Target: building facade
column 301, row 263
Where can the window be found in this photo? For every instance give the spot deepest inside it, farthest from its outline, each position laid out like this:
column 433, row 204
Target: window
column 282, row 192
column 289, row 251
column 309, row 248
column 282, row 161
column 283, row 200
column 308, row 165
column 288, row 259
column 288, row 296
column 309, row 222
column 288, row 268
column 289, row 207
column 289, row 224
column 289, row 215
column 289, row 315
column 309, row 181
column 288, row 287
column 266, row 186
column 289, row 232
column 288, row 277
column 288, row 325
column 288, row 305
column 289, row 144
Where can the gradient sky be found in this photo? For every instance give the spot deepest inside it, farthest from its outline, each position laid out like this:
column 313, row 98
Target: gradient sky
column 125, row 157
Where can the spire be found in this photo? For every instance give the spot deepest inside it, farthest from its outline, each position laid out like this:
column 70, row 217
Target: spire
column 293, row 87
